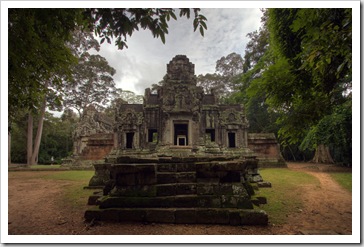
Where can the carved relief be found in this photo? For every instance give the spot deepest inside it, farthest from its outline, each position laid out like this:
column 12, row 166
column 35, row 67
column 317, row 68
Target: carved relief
column 180, row 68
column 130, row 119
column 92, row 122
column 232, row 116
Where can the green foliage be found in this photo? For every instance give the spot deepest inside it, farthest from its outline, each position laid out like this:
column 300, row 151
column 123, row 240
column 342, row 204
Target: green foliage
column 57, row 139
column 92, row 83
column 56, row 142
column 344, row 179
column 18, row 138
column 284, row 196
column 37, row 52
column 309, row 76
column 120, row 23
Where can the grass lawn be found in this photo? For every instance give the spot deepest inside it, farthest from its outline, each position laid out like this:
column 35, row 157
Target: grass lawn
column 45, row 166
column 343, row 178
column 285, row 195
column 74, row 195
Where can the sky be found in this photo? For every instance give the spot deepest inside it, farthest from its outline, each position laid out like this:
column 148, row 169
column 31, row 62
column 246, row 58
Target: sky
column 144, row 62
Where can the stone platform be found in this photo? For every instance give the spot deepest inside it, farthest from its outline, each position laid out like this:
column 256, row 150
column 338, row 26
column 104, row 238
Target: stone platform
column 208, row 190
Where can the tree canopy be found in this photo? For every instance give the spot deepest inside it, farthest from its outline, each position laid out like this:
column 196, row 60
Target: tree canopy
column 38, row 50
column 304, row 75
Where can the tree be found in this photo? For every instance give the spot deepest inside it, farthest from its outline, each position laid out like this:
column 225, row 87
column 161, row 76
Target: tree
column 92, row 83
column 311, row 72
column 222, row 83
column 40, row 60
column 248, row 91
column 38, row 38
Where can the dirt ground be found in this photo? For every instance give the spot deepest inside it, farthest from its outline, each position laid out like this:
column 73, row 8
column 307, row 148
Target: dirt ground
column 34, row 208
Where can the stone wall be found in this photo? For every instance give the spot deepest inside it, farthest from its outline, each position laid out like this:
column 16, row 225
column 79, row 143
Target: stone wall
column 266, row 147
column 97, row 146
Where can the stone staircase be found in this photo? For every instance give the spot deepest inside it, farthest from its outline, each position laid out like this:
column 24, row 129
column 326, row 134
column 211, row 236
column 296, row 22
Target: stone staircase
column 179, row 190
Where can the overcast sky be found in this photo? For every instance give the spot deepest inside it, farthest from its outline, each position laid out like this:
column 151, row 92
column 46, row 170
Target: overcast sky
column 144, row 62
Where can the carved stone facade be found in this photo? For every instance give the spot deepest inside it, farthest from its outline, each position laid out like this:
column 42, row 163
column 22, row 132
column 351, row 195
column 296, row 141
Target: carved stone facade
column 93, row 136
column 179, row 116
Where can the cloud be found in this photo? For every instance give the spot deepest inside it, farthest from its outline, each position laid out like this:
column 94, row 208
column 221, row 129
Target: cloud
column 144, row 62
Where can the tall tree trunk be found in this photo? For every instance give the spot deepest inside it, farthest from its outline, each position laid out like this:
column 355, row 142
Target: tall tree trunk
column 38, row 137
column 29, row 139
column 9, row 147
column 322, row 155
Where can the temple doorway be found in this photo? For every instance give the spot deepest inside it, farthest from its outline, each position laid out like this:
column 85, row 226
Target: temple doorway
column 231, row 138
column 129, row 140
column 181, row 134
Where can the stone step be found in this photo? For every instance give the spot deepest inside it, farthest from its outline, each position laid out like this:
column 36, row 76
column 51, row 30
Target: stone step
column 175, row 177
column 226, row 216
column 180, row 201
column 173, row 189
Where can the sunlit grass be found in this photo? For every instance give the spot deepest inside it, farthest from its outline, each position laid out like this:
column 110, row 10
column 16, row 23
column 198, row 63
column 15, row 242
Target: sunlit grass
column 344, row 179
column 81, row 176
column 285, row 195
column 45, row 166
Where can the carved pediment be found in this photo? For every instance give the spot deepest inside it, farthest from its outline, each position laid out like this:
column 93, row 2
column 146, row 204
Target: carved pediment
column 129, row 119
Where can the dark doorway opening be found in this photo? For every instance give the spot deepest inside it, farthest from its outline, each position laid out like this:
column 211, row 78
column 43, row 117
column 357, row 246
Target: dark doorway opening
column 211, row 134
column 152, row 135
column 181, row 134
column 129, row 139
column 231, row 137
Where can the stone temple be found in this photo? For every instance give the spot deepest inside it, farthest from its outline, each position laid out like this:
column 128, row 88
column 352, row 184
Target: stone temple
column 181, row 157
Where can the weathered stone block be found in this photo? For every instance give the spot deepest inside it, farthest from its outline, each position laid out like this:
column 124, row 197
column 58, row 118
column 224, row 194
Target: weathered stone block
column 186, row 167
column 145, row 168
column 93, row 214
column 209, row 202
column 126, row 179
column 132, row 215
column 239, row 189
column 166, row 178
column 136, row 202
column 261, row 199
column 208, row 174
column 110, row 215
column 256, row 178
column 264, row 184
column 223, row 189
column 222, row 217
column 234, row 218
column 230, row 177
column 160, row 215
column 185, row 216
column 188, row 201
column 253, row 217
column 186, row 177
column 244, row 202
column 229, row 201
column 145, row 178
column 208, row 180
column 212, row 216
column 207, row 216
column 137, row 190
column 92, row 199
column 166, row 167
column 205, row 189
column 166, row 190
column 185, row 189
